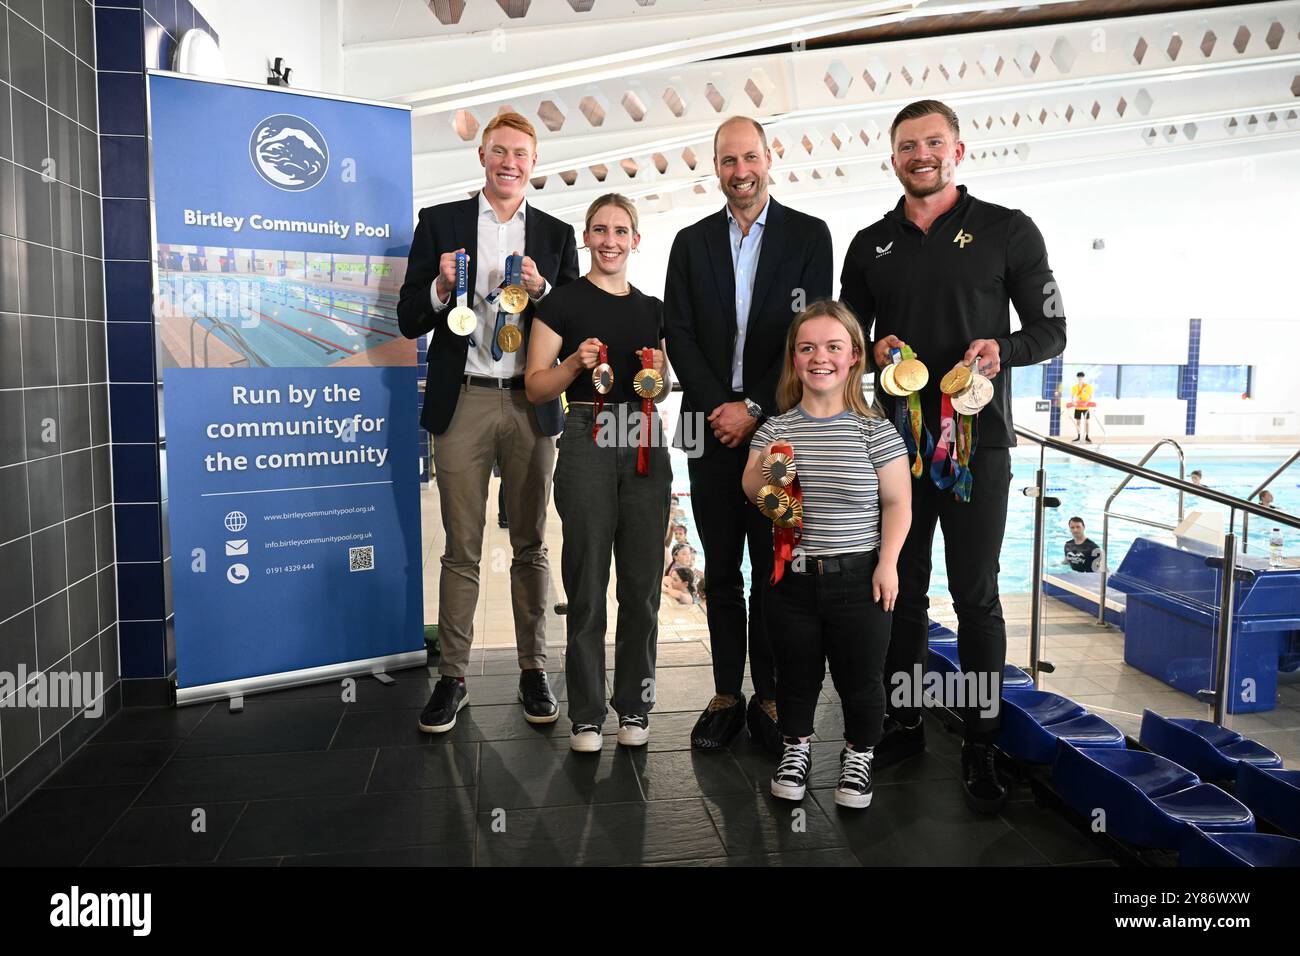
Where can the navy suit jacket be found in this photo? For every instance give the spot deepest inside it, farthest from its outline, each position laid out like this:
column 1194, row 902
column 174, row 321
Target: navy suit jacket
column 549, row 242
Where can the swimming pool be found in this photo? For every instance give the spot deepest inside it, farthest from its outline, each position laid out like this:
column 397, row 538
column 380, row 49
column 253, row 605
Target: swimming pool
column 1083, row 489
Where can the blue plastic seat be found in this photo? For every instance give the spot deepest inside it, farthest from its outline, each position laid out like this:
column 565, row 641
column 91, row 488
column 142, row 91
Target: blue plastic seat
column 943, row 658
column 1034, row 720
column 1208, row 750
column 1238, row 849
column 1148, row 800
column 1273, row 794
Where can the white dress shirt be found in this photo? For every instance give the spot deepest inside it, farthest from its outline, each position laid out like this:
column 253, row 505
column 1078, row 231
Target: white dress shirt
column 496, row 240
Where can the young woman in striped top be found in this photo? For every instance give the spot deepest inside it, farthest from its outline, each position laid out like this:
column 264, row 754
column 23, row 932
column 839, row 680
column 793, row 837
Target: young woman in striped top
column 834, row 600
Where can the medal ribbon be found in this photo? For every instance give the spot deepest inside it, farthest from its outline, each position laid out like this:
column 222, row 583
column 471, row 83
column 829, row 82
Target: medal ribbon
column 462, row 279
column 602, row 359
column 917, row 423
column 647, row 409
column 966, row 434
column 944, row 470
column 514, row 269
column 785, row 540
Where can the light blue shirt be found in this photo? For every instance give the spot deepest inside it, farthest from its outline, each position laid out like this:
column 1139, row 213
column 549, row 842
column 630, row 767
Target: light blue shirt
column 744, row 261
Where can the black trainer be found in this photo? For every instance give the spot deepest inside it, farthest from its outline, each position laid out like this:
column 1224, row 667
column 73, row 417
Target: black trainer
column 984, row 792
column 634, row 730
column 898, row 742
column 719, row 723
column 449, row 696
column 854, row 789
column 763, row 730
column 790, row 782
column 535, row 694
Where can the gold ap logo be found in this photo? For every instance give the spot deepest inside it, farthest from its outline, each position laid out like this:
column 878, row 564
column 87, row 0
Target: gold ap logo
column 962, row 238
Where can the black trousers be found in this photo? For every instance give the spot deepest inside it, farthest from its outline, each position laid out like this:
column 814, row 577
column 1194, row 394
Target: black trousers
column 815, row 619
column 972, row 534
column 727, row 520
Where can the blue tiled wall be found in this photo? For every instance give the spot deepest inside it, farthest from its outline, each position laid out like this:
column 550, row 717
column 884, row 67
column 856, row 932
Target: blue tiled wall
column 1187, row 387
column 1051, row 390
column 132, row 38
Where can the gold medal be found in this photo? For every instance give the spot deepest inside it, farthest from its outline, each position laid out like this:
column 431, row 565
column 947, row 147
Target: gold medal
column 514, row 299
column 462, row 320
column 778, row 469
column 910, row 375
column 648, row 383
column 887, row 382
column 602, row 378
column 957, row 379
column 772, row 501
column 510, row 338
column 792, row 517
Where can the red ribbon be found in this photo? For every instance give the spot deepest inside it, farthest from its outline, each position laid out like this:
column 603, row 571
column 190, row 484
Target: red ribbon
column 647, row 409
column 785, row 540
column 601, row 359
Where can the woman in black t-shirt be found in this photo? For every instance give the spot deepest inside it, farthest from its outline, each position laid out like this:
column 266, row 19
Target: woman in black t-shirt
column 612, row 474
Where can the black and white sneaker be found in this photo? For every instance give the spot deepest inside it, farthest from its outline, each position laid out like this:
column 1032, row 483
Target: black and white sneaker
column 449, row 696
column 790, row 781
column 634, row 730
column 585, row 738
column 854, row 789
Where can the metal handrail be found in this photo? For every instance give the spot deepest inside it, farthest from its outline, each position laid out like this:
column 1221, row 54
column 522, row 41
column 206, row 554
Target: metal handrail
column 1105, row 516
column 1215, row 695
column 1245, row 519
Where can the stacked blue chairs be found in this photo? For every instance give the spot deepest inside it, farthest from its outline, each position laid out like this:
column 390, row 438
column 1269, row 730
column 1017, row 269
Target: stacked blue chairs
column 1148, row 799
column 1272, row 793
column 943, row 658
column 1208, row 750
column 1238, row 849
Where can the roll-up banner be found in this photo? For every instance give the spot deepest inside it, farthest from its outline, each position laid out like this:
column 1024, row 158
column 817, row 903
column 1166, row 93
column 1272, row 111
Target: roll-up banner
column 280, row 226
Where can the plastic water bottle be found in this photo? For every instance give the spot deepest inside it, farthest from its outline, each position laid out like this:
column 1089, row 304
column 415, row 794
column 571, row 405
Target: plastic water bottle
column 1275, row 549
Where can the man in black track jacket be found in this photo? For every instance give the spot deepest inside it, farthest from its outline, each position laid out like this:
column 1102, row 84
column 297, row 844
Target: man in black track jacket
column 939, row 272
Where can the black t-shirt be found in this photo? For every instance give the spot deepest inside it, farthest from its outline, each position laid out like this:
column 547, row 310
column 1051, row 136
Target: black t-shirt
column 1082, row 557
column 625, row 323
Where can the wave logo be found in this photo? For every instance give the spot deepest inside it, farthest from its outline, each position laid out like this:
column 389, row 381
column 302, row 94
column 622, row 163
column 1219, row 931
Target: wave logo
column 289, row 152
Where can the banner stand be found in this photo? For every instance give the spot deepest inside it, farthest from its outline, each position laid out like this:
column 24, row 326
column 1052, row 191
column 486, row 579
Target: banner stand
column 310, row 675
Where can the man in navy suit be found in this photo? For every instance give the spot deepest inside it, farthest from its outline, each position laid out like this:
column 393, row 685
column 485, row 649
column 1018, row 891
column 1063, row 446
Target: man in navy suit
column 735, row 281
column 475, row 405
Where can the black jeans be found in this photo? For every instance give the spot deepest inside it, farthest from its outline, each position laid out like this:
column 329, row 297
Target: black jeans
column 972, row 535
column 727, row 520
column 607, row 508
column 815, row 619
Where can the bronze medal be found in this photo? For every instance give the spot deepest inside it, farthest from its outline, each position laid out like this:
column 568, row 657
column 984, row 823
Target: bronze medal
column 792, row 517
column 602, row 378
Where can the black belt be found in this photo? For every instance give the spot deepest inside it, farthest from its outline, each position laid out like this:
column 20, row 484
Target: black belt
column 486, row 382
column 834, row 563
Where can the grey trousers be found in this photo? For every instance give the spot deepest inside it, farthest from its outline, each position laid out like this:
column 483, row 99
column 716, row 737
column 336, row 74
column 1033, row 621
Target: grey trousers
column 606, row 507
column 492, row 425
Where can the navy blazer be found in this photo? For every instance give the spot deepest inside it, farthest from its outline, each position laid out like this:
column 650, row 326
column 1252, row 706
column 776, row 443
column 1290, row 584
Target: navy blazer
column 700, row 306
column 549, row 242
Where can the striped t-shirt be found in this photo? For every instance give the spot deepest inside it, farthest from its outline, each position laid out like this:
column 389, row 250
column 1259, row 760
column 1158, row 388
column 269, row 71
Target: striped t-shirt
column 836, row 460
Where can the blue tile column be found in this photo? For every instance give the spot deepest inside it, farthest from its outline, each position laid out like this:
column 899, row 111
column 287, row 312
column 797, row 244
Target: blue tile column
column 132, row 37
column 1191, row 373
column 1051, row 392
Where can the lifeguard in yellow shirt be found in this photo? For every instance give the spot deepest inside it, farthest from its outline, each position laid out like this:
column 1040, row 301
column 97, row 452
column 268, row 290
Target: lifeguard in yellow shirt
column 1082, row 403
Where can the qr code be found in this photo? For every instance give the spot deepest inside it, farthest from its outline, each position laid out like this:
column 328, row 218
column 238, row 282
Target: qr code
column 361, row 559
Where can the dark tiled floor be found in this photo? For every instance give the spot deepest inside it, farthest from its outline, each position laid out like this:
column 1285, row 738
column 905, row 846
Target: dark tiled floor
column 314, row 777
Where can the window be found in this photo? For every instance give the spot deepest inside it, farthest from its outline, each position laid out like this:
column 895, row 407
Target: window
column 1027, row 382
column 1148, row 381
column 1101, row 377
column 1224, row 379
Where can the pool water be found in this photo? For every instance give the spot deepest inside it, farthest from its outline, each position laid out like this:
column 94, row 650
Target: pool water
column 1083, row 489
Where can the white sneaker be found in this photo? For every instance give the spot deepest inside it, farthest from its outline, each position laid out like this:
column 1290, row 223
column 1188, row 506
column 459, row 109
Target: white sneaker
column 634, row 730
column 585, row 739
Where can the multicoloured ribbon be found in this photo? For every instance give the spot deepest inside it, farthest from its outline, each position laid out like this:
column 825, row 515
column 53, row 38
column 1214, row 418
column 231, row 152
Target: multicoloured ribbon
column 944, row 470
column 966, row 436
column 514, row 272
column 785, row 540
column 912, row 427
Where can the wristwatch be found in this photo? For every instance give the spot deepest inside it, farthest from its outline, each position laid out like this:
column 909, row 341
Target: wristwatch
column 755, row 410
